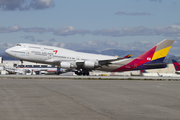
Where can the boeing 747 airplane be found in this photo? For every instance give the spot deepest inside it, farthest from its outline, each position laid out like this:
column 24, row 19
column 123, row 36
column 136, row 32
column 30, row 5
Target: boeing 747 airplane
column 85, row 62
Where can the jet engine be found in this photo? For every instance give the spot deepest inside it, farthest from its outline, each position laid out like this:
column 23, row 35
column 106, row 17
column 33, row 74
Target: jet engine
column 90, row 64
column 67, row 65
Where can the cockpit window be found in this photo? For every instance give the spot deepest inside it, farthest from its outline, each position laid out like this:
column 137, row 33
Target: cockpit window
column 18, row 45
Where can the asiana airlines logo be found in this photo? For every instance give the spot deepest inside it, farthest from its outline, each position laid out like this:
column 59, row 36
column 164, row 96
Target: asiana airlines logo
column 148, row 58
column 55, row 51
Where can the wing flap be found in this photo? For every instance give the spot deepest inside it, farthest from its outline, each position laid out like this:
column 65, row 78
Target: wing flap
column 108, row 61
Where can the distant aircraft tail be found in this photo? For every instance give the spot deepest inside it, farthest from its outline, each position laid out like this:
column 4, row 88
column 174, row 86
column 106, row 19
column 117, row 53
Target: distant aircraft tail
column 176, row 65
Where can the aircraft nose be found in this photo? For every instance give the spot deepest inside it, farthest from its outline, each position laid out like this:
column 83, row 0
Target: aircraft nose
column 7, row 51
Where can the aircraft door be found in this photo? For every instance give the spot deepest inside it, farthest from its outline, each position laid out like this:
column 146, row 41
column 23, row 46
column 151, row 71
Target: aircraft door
column 78, row 58
column 50, row 55
column 42, row 48
column 27, row 53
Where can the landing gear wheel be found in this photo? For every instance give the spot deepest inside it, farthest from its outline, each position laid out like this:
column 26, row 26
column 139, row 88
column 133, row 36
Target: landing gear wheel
column 86, row 73
column 78, row 72
column 82, row 73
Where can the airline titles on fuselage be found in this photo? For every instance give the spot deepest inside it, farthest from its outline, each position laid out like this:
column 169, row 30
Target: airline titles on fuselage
column 41, row 53
column 50, row 54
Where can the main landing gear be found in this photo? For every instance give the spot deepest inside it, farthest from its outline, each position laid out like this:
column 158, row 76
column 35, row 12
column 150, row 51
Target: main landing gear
column 22, row 64
column 82, row 73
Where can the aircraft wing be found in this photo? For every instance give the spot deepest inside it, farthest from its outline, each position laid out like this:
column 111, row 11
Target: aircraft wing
column 108, row 61
column 128, row 56
column 81, row 63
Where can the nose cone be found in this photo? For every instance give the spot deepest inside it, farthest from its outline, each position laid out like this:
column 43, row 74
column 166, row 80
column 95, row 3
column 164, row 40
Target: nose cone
column 15, row 52
column 8, row 51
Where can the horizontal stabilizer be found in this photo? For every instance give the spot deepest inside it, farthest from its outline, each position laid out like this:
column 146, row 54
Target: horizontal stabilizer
column 156, row 65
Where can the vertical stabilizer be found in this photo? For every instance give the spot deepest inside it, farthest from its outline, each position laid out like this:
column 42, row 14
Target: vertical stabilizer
column 158, row 52
column 151, row 59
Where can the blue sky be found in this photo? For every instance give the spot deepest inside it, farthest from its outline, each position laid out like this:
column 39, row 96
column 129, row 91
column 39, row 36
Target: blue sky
column 132, row 24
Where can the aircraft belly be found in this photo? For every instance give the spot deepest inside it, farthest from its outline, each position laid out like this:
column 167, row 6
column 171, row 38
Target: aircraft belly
column 109, row 67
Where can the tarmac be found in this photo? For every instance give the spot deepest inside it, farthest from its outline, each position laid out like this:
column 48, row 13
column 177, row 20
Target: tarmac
column 83, row 99
column 11, row 76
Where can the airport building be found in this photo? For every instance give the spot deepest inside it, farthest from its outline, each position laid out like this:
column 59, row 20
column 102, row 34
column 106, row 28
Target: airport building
column 169, row 69
column 28, row 68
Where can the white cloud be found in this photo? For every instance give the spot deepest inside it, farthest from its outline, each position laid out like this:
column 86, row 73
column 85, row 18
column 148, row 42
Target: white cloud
column 100, row 45
column 173, row 30
column 11, row 5
column 10, row 29
column 126, row 31
column 37, row 30
column 14, row 28
column 70, row 30
column 170, row 31
column 42, row 4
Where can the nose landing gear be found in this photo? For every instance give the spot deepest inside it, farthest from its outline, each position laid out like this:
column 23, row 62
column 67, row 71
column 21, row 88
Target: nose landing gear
column 21, row 64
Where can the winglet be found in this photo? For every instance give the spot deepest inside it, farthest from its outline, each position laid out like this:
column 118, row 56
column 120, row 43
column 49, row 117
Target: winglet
column 128, row 56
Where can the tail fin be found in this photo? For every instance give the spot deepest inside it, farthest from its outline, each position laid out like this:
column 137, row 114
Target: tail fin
column 157, row 53
column 176, row 65
column 151, row 59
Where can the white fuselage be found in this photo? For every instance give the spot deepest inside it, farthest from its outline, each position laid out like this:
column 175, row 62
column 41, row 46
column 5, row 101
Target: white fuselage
column 57, row 56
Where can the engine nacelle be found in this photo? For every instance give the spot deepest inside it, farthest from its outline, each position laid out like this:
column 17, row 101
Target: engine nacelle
column 67, row 65
column 90, row 64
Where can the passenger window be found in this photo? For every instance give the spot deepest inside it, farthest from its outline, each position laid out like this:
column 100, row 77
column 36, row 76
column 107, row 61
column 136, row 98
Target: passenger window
column 36, row 66
column 43, row 65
